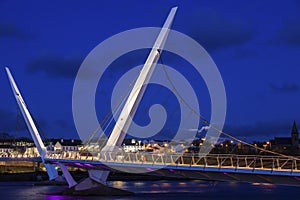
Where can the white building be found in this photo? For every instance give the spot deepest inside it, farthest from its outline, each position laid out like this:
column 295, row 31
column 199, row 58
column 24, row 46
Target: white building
column 131, row 145
column 67, row 145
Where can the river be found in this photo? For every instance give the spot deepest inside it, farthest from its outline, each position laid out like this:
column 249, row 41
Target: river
column 165, row 189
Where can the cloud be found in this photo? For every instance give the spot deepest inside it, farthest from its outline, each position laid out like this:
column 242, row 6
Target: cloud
column 290, row 32
column 245, row 53
column 12, row 31
column 62, row 128
column 284, row 88
column 217, row 32
column 62, row 124
column 55, row 65
column 9, row 121
column 261, row 130
column 12, row 122
column 129, row 60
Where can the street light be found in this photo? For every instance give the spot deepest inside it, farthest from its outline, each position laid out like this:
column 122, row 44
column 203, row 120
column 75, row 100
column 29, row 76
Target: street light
column 269, row 144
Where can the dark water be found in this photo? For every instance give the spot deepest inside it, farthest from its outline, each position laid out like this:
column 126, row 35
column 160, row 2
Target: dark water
column 159, row 190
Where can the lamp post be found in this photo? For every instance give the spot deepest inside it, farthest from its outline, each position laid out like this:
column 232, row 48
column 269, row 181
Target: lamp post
column 269, row 144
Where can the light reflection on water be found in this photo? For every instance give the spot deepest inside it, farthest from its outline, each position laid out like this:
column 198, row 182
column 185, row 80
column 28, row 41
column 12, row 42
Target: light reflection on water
column 180, row 189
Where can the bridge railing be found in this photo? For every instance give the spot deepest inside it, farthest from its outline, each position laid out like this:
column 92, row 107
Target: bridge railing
column 210, row 160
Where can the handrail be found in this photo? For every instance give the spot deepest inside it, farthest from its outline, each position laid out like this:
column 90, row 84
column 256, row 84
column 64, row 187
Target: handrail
column 233, row 161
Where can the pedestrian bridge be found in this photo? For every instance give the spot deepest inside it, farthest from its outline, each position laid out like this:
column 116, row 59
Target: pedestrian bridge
column 220, row 167
column 278, row 169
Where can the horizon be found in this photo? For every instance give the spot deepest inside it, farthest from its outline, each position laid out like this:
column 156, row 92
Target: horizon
column 9, row 136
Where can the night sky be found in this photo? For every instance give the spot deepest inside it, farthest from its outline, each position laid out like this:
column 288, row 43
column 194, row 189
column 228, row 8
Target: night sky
column 255, row 44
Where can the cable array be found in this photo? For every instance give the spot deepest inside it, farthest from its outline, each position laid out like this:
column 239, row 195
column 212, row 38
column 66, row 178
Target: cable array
column 205, row 121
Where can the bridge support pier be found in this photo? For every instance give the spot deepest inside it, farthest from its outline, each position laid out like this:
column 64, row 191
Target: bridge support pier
column 51, row 171
column 71, row 182
column 94, row 185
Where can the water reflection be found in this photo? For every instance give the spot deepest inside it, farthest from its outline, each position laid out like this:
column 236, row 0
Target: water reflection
column 117, row 184
column 183, row 189
column 139, row 184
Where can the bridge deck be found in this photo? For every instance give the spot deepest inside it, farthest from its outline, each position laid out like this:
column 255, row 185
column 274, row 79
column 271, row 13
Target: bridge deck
column 250, row 168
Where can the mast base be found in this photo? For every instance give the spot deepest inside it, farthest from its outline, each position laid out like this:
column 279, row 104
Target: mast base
column 89, row 187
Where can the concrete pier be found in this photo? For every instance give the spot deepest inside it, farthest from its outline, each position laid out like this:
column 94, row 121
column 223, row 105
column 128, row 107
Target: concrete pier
column 89, row 187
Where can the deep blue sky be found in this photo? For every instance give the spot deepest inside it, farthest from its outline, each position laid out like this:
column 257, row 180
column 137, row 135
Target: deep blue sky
column 255, row 44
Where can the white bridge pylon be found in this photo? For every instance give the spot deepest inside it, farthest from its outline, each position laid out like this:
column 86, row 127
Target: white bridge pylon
column 50, row 168
column 124, row 120
column 31, row 126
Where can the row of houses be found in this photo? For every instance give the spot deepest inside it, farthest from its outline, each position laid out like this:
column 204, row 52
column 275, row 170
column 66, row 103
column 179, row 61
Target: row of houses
column 25, row 146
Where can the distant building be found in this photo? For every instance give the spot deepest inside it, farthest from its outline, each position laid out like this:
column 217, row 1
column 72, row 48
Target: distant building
column 9, row 146
column 31, row 151
column 288, row 145
column 131, row 145
column 295, row 136
column 25, row 146
column 66, row 145
column 6, row 150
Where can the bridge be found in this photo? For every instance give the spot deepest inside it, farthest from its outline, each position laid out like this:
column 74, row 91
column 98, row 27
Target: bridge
column 219, row 167
column 223, row 167
column 274, row 168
